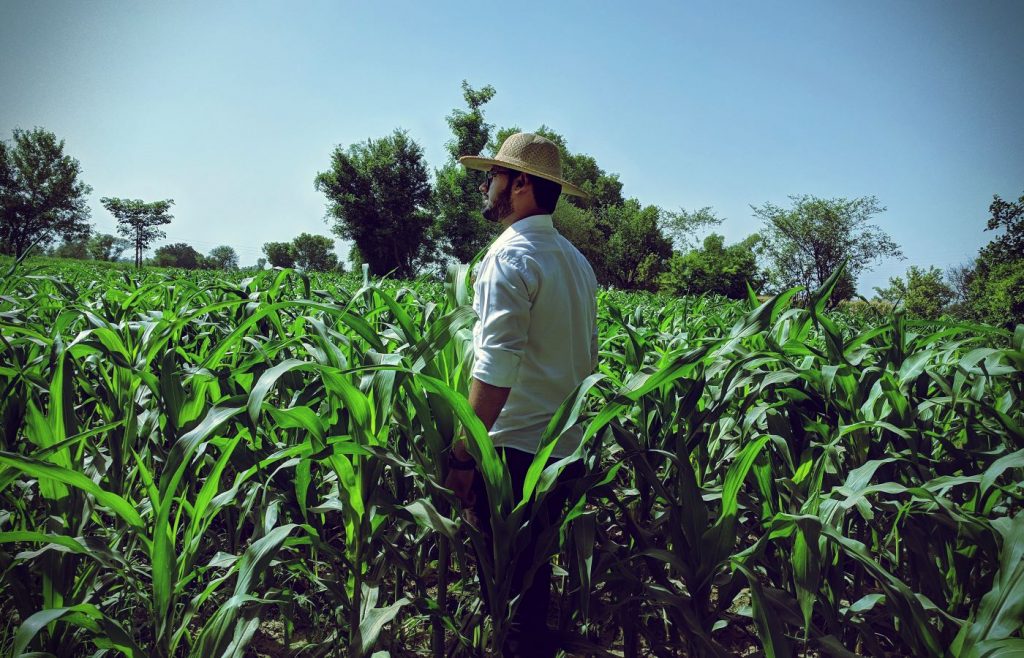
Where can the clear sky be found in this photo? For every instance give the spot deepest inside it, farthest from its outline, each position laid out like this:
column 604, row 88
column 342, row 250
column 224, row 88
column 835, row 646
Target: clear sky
column 231, row 108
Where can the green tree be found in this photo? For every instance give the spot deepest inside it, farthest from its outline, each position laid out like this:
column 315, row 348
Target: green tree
column 806, row 243
column 715, row 268
column 223, row 258
column 138, row 221
column 580, row 227
column 280, row 254
column 681, row 227
column 41, row 196
column 378, row 193
column 77, row 248
column 997, row 285
column 314, row 253
column 459, row 228
column 635, row 248
column 924, row 293
column 178, row 254
column 104, row 246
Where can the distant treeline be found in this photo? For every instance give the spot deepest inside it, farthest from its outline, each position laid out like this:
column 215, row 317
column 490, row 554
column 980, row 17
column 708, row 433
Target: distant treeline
column 403, row 221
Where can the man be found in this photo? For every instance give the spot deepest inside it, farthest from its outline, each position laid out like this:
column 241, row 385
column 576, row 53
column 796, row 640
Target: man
column 535, row 341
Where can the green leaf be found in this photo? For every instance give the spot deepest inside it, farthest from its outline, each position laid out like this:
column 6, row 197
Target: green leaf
column 45, row 470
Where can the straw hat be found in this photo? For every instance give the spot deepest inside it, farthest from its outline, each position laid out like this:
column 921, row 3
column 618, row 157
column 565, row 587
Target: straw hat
column 529, row 153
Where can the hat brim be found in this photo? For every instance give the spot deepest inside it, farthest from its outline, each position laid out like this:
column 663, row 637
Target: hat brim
column 484, row 164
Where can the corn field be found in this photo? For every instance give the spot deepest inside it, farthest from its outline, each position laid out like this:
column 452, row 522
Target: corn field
column 209, row 465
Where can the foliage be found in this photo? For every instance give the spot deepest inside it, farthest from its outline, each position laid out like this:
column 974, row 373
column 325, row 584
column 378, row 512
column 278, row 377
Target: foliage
column 680, row 227
column 959, row 278
column 138, row 221
column 378, row 193
column 314, row 253
column 459, row 229
column 924, row 293
column 222, row 258
column 996, row 291
column 807, row 242
column 104, row 246
column 178, row 254
column 280, row 254
column 634, row 247
column 187, row 454
column 41, row 195
column 76, row 248
column 714, row 269
column 580, row 227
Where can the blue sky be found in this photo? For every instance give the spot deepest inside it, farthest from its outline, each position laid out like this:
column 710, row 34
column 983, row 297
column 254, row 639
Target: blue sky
column 231, row 108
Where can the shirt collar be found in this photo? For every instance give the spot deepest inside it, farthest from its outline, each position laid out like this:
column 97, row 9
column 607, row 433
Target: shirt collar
column 534, row 223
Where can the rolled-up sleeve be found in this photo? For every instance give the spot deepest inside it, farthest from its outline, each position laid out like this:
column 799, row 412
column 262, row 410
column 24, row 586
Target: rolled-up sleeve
column 503, row 304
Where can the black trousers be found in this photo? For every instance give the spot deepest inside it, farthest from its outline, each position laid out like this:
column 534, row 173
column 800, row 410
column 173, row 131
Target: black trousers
column 530, row 635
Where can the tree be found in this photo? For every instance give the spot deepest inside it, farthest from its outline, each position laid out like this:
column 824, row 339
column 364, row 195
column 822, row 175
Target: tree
column 223, row 258
column 681, row 226
column 138, row 221
column 459, row 227
column 808, row 242
column 580, row 227
column 280, row 254
column 635, row 248
column 178, row 254
column 41, row 196
column 923, row 294
column 314, row 253
column 959, row 279
column 378, row 193
column 714, row 268
column 105, row 246
column 997, row 285
column 77, row 248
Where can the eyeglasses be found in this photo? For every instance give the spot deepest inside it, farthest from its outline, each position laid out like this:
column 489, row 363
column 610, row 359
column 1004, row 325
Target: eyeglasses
column 496, row 172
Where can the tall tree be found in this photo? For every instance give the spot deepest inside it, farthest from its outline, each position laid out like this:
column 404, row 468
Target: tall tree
column 138, row 221
column 806, row 243
column 997, row 284
column 378, row 193
column 280, row 254
column 223, row 258
column 41, row 196
column 635, row 249
column 105, row 246
column 314, row 253
column 459, row 227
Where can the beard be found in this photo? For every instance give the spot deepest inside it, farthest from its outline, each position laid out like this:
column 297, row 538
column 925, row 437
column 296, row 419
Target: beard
column 502, row 207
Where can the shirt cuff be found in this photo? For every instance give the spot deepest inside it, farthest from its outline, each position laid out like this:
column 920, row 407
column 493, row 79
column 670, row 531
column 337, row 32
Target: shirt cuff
column 497, row 367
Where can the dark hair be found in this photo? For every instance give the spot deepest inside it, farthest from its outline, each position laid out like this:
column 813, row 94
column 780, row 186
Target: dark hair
column 545, row 192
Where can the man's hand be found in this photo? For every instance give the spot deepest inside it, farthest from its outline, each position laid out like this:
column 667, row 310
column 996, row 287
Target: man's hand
column 461, row 482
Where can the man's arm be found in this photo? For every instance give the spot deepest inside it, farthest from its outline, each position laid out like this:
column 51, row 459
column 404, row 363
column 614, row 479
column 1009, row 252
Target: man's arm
column 487, row 402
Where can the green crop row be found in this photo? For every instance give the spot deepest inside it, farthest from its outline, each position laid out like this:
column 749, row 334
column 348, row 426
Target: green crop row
column 210, row 465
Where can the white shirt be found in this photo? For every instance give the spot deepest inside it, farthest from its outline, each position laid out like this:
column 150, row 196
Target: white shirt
column 536, row 299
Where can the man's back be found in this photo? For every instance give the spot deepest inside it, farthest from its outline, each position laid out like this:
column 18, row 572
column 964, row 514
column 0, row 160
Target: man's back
column 536, row 299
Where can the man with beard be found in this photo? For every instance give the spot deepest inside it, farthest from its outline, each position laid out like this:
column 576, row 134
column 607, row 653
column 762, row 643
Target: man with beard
column 535, row 341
